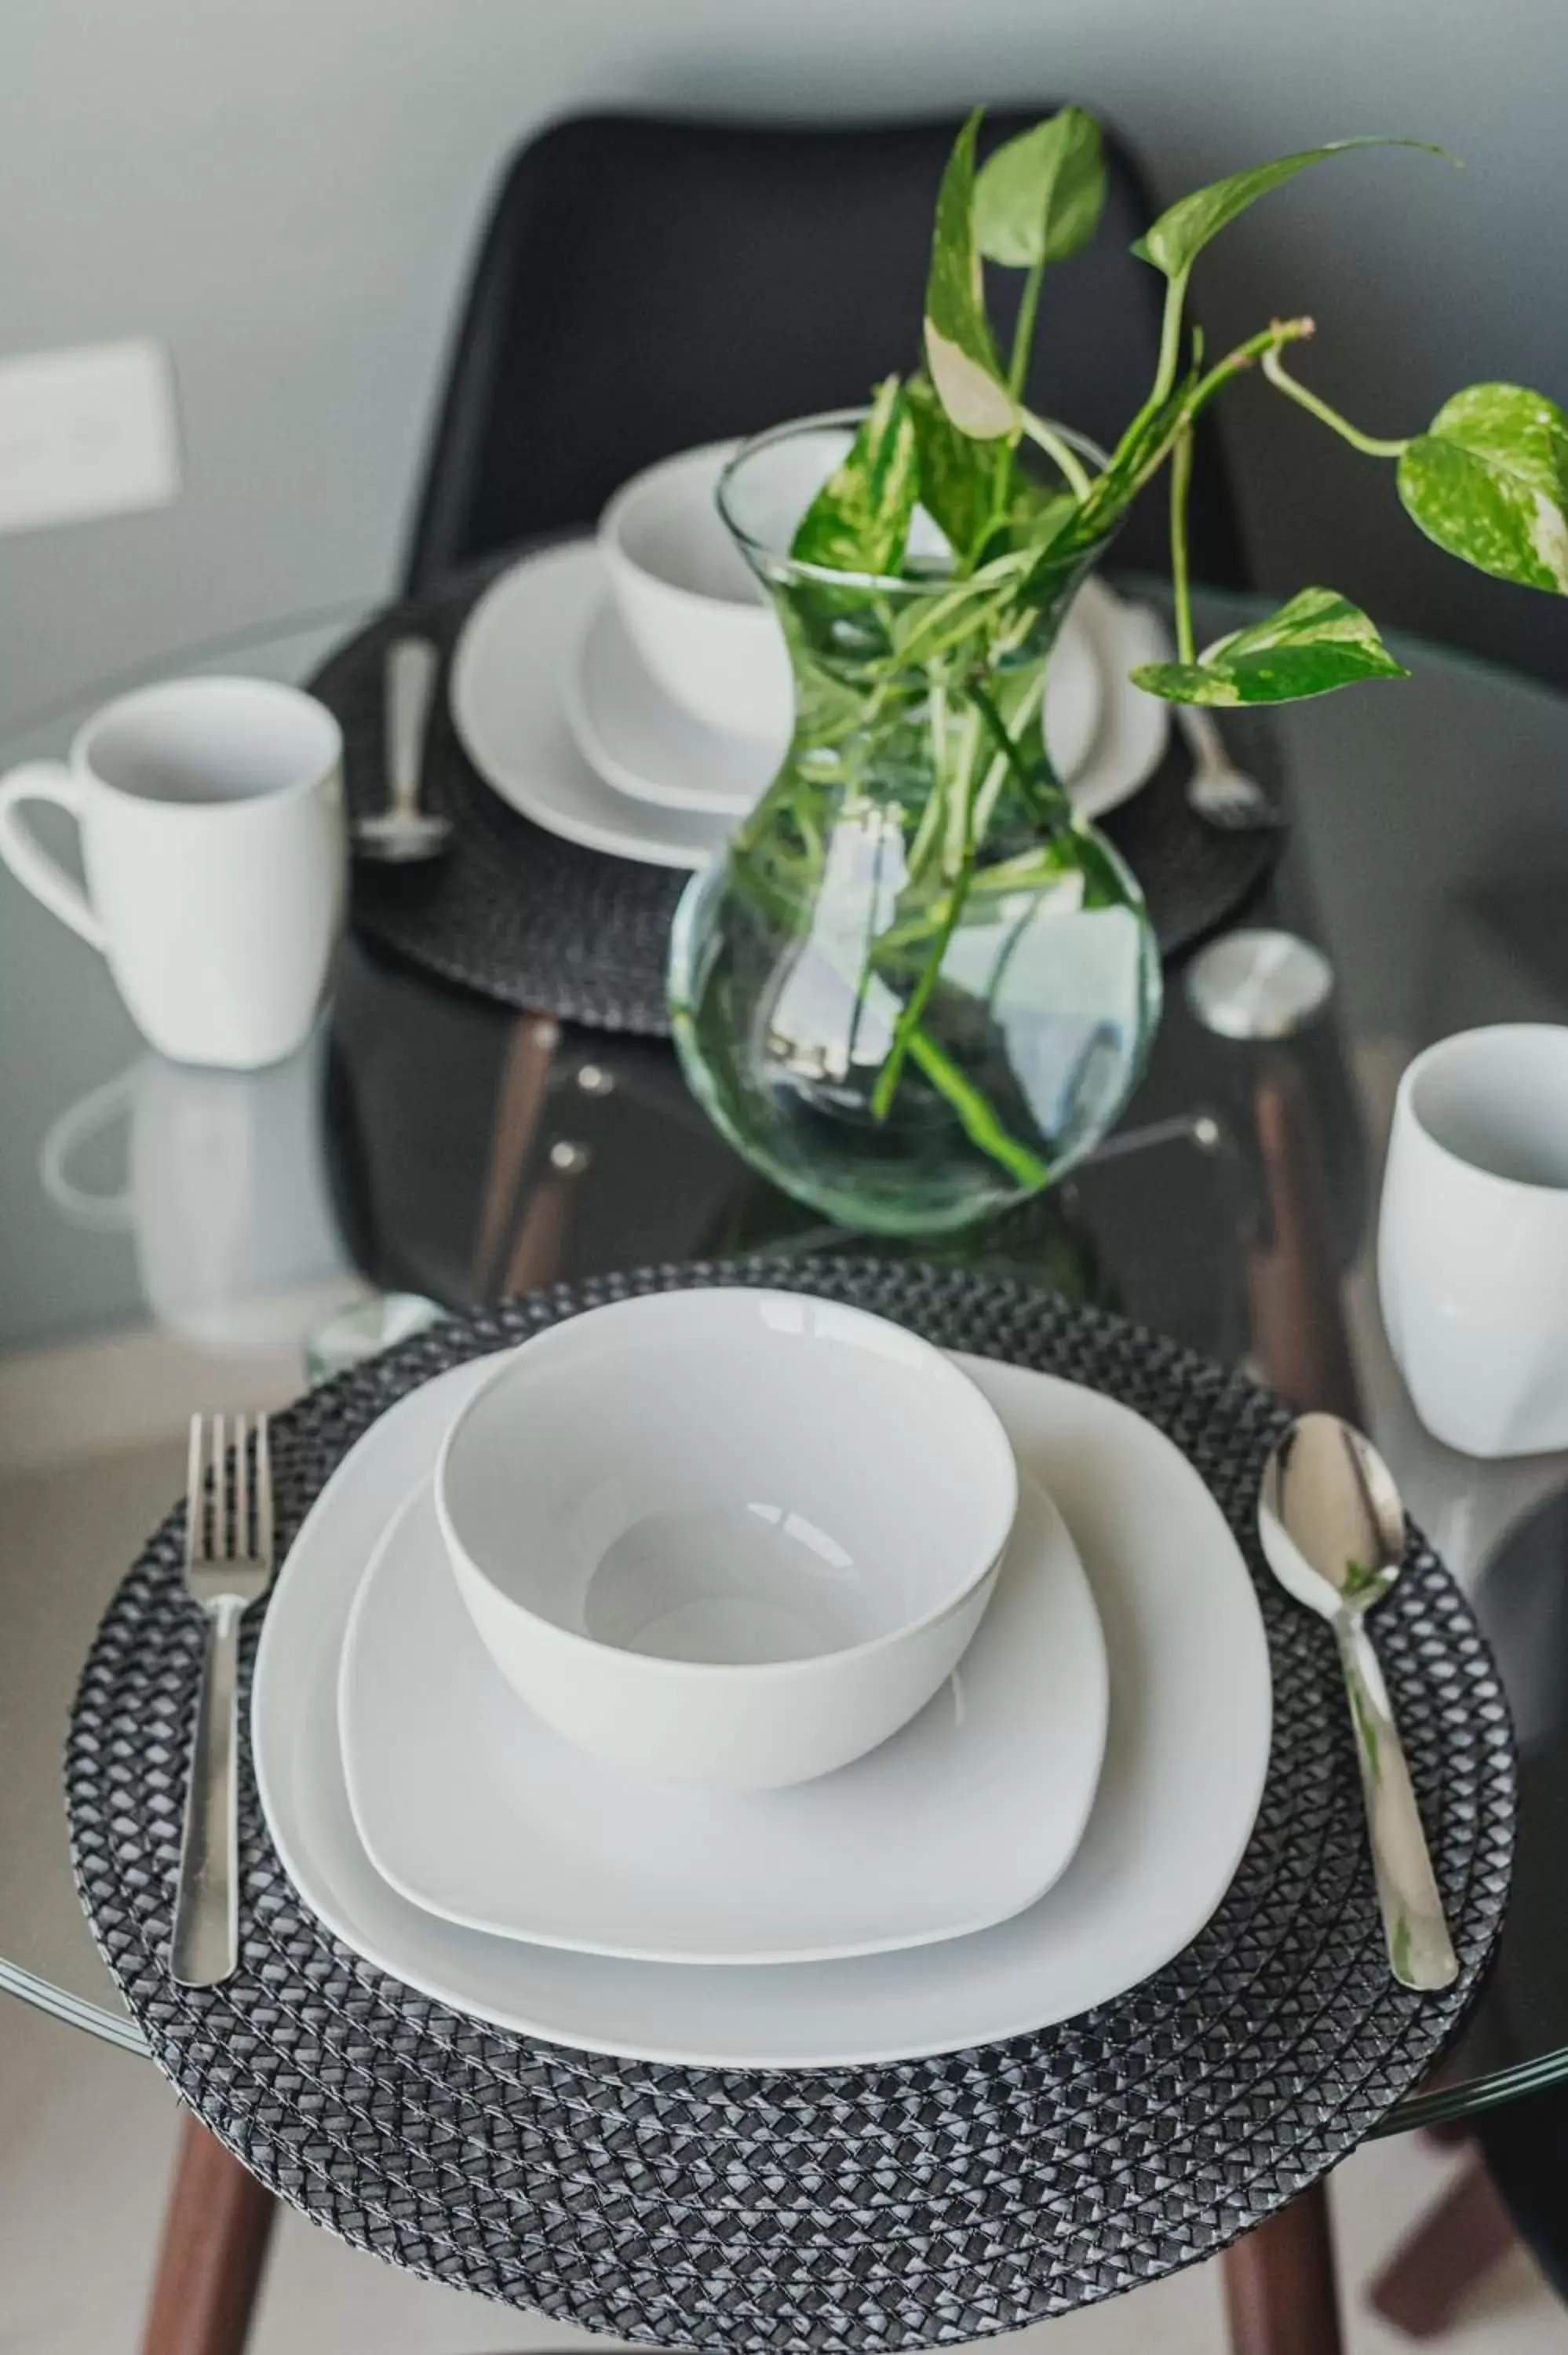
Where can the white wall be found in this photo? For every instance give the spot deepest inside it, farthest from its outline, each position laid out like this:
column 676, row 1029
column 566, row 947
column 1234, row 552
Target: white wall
column 287, row 191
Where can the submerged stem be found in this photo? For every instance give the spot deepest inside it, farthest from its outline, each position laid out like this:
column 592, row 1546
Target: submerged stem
column 979, row 1121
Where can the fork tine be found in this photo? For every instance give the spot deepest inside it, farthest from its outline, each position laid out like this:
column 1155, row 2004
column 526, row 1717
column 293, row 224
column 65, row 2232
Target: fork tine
column 221, row 1549
column 241, row 1489
column 196, row 1520
column 263, row 1492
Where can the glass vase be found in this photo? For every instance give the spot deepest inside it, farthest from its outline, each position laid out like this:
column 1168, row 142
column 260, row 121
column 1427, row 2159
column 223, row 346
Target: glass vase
column 916, row 988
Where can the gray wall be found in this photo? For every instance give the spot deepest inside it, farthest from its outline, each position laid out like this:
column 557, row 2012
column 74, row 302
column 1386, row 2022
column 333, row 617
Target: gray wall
column 287, row 191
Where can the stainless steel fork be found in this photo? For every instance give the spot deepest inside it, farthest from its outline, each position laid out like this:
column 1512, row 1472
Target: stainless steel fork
column 1217, row 791
column 229, row 1566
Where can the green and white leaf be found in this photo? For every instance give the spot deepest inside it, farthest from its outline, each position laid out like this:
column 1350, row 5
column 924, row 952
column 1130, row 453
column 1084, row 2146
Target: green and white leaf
column 1488, row 481
column 955, row 472
column 1317, row 641
column 960, row 352
column 1179, row 235
column 859, row 520
column 1039, row 198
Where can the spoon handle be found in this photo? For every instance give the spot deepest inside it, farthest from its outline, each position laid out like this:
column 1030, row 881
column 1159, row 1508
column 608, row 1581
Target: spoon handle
column 1420, row 1951
column 410, row 681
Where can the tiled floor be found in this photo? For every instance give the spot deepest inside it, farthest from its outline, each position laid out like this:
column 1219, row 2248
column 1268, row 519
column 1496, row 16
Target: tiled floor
column 86, row 2138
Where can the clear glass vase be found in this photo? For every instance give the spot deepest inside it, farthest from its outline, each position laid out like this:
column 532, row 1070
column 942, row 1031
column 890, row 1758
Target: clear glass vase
column 916, row 988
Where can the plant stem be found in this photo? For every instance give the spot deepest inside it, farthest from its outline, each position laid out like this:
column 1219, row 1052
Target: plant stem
column 1275, row 370
column 1007, row 747
column 1024, row 333
column 919, row 997
column 1268, row 339
column 979, row 1121
column 1181, row 477
column 1054, row 447
column 1169, row 343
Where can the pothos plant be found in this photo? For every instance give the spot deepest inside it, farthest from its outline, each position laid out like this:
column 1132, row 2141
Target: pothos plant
column 916, row 988
column 1487, row 480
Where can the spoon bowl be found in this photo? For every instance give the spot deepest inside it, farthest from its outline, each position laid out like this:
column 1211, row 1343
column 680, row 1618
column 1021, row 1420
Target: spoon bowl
column 401, row 833
column 1329, row 1516
column 398, row 838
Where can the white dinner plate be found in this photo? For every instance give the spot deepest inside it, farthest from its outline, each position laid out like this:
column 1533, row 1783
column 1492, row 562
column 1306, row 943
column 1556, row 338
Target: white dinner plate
column 1185, row 1760
column 513, row 654
column 512, row 686
column 474, row 1809
column 1130, row 741
column 641, row 742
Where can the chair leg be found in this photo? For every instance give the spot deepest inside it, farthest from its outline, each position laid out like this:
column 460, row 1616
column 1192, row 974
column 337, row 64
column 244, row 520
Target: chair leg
column 1281, row 2294
column 216, row 2229
column 1449, row 2253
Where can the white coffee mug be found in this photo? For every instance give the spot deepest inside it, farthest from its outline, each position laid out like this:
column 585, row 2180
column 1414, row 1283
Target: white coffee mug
column 214, row 846
column 226, row 1193
column 1473, row 1239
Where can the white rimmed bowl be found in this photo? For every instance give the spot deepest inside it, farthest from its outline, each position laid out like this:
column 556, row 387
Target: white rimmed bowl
column 690, row 602
column 726, row 1536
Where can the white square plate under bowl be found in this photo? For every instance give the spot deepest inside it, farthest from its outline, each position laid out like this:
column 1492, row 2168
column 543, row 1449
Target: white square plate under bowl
column 1185, row 1760
column 474, row 1808
column 509, row 694
column 642, row 742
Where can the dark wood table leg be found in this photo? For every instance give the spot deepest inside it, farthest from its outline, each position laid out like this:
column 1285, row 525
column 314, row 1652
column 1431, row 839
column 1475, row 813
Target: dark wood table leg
column 215, row 2231
column 1429, row 2276
column 1282, row 2294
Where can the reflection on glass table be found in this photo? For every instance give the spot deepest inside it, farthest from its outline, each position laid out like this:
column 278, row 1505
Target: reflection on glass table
column 172, row 1238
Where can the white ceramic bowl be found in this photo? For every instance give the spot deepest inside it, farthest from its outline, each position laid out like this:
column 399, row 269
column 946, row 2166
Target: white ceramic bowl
column 690, row 602
column 732, row 1537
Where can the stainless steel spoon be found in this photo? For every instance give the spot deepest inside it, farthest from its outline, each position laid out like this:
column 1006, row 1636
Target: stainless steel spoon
column 402, row 832
column 1332, row 1526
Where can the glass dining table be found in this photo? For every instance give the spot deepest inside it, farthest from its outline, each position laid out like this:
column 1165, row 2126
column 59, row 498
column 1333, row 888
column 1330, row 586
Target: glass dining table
column 173, row 1239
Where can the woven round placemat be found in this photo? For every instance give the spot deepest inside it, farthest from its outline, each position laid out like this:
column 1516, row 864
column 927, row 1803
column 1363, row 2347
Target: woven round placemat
column 522, row 916
column 923, row 2203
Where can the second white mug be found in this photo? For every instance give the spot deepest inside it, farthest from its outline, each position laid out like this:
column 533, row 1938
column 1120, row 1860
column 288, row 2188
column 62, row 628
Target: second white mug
column 214, row 847
column 1473, row 1239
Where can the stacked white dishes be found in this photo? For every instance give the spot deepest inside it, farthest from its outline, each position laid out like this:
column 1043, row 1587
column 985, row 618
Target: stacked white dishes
column 732, row 1678
column 633, row 693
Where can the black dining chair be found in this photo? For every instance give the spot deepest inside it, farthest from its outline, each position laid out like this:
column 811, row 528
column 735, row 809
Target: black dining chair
column 643, row 285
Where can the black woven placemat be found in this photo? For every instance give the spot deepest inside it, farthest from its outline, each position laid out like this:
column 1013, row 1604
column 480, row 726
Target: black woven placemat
column 925, row 2203
column 520, row 915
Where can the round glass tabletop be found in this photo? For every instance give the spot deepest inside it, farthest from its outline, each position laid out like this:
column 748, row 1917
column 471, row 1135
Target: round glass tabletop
column 172, row 1238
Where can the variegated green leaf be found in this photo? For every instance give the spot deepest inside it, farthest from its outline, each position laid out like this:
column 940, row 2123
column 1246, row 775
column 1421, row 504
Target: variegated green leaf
column 1180, row 234
column 1039, row 198
column 1488, row 481
column 955, row 472
column 859, row 520
column 1317, row 641
column 960, row 352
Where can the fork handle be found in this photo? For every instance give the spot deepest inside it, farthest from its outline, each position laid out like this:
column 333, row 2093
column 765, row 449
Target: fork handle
column 205, row 1946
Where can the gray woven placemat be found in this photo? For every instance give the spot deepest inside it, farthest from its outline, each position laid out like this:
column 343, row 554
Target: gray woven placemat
column 520, row 915
column 924, row 2203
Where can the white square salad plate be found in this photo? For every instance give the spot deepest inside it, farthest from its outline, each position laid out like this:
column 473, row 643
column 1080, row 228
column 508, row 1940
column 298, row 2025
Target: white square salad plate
column 475, row 1809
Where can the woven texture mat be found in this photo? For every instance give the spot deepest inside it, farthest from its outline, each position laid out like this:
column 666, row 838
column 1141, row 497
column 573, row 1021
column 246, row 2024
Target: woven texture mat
column 522, row 916
column 918, row 2204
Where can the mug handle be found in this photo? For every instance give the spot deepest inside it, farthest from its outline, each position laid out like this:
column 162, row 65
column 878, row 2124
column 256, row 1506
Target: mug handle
column 103, row 1214
column 29, row 862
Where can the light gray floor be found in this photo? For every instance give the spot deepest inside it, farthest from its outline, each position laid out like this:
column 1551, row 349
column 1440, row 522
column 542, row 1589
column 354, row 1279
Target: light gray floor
column 87, row 2136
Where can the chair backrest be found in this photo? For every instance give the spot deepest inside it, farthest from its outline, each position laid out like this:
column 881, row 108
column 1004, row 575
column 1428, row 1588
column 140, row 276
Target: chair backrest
column 645, row 285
